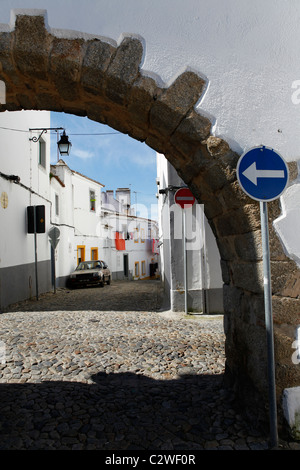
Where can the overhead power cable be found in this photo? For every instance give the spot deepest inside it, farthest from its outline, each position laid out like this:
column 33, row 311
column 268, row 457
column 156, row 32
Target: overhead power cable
column 96, row 133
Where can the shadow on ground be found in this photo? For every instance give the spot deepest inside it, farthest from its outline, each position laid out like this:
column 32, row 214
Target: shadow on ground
column 117, row 412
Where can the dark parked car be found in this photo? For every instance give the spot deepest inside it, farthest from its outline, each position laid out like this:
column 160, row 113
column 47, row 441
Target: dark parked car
column 90, row 273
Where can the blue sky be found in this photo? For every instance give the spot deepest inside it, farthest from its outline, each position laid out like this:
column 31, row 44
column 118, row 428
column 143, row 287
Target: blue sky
column 113, row 159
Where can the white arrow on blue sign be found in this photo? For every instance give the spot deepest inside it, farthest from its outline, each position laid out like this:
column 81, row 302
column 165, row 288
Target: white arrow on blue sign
column 262, row 173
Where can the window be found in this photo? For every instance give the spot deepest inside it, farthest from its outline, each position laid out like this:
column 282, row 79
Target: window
column 94, row 253
column 80, row 253
column 92, row 200
column 143, row 268
column 136, row 269
column 142, row 235
column 42, row 153
column 56, row 204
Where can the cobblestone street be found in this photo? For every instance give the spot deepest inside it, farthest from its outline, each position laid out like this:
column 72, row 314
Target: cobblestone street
column 109, row 369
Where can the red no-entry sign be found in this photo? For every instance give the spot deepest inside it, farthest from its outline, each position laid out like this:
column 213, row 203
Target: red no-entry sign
column 184, row 198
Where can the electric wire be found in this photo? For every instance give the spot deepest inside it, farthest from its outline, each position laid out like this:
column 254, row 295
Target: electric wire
column 97, row 133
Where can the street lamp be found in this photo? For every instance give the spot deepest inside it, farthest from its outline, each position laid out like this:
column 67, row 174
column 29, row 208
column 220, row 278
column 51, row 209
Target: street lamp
column 64, row 145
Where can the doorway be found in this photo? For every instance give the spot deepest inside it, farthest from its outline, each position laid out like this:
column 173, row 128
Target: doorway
column 125, row 265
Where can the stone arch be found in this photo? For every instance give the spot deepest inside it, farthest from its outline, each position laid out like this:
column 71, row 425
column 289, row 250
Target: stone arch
column 91, row 76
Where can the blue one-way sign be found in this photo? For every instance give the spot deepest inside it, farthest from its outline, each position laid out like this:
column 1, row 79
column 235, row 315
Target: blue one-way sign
column 262, row 173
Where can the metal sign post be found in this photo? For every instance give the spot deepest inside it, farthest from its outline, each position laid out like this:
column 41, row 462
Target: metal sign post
column 35, row 225
column 184, row 261
column 54, row 234
column 35, row 257
column 263, row 175
column 269, row 322
column 184, row 198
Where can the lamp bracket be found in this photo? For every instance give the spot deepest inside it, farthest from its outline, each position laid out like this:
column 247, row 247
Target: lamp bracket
column 44, row 130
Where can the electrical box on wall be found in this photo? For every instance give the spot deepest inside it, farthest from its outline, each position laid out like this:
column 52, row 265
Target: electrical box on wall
column 36, row 219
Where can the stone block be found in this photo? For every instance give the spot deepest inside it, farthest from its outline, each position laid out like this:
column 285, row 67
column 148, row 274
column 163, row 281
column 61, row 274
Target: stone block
column 287, row 373
column 292, row 286
column 31, row 46
column 274, row 210
column 157, row 144
column 143, row 95
column 198, row 160
column 192, row 130
column 248, row 246
column 286, row 310
column 293, row 171
column 226, row 248
column 216, row 177
column 176, row 101
column 123, row 70
column 225, row 271
column 253, row 309
column 198, row 185
column 26, row 101
column 248, row 276
column 96, row 60
column 98, row 110
column 240, row 221
column 284, row 337
column 65, row 65
column 49, row 101
column 213, row 209
column 283, row 275
column 231, row 299
column 216, row 146
column 276, row 249
column 11, row 105
column 7, row 65
column 232, row 196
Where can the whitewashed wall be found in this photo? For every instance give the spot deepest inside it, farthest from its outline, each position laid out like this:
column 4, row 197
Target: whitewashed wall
column 135, row 250
column 13, row 147
column 20, row 157
column 86, row 221
column 204, row 279
column 79, row 226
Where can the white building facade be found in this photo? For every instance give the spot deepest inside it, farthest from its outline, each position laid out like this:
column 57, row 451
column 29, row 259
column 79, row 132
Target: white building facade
column 204, row 277
column 129, row 241
column 24, row 181
column 76, row 208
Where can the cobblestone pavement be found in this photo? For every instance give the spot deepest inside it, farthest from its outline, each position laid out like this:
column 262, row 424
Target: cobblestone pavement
column 103, row 368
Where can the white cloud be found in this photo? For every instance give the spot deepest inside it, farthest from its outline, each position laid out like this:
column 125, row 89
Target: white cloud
column 84, row 154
